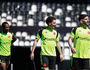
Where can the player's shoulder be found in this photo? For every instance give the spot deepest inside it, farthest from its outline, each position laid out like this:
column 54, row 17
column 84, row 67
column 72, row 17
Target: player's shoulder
column 41, row 29
column 75, row 28
column 55, row 30
column 10, row 32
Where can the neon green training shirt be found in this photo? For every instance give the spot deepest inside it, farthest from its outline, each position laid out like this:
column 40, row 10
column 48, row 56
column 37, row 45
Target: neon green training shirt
column 81, row 42
column 48, row 41
column 5, row 43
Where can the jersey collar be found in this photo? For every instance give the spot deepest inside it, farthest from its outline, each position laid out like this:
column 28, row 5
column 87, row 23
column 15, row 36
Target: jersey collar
column 4, row 33
column 83, row 28
column 49, row 30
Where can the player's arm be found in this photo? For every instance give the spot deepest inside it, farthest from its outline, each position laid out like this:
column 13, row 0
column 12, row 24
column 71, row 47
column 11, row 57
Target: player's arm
column 59, row 49
column 14, row 38
column 33, row 48
column 70, row 44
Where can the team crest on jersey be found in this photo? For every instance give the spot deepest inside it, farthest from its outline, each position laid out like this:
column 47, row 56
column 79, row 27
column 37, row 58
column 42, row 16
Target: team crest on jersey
column 88, row 32
column 8, row 36
column 54, row 33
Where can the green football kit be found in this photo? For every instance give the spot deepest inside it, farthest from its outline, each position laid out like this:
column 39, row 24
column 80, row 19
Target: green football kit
column 80, row 60
column 48, row 41
column 5, row 43
column 48, row 52
column 81, row 42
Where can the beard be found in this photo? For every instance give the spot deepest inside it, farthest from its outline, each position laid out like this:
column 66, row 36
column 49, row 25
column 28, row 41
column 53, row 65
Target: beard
column 84, row 24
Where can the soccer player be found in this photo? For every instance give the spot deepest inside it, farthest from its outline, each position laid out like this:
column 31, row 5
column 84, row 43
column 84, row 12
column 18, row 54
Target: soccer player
column 49, row 37
column 6, row 39
column 81, row 48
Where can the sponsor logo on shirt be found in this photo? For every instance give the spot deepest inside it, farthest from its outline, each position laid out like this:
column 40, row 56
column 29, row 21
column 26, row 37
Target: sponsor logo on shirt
column 4, row 42
column 83, row 38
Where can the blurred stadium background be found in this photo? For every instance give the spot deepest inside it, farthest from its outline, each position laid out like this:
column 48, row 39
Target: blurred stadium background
column 25, row 17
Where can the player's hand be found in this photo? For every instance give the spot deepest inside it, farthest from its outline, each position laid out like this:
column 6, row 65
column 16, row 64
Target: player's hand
column 32, row 56
column 61, row 58
column 73, row 50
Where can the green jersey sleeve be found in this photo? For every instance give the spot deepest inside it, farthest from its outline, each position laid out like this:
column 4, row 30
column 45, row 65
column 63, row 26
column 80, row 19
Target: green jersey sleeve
column 57, row 38
column 38, row 36
column 73, row 32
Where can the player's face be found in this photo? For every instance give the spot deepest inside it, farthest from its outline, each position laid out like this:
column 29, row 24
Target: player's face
column 53, row 24
column 86, row 20
column 6, row 28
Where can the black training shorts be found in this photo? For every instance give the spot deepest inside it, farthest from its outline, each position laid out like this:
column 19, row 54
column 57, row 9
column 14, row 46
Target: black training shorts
column 5, row 59
column 80, row 64
column 48, row 62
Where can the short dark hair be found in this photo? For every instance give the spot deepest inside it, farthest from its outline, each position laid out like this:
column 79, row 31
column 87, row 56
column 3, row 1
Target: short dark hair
column 50, row 19
column 3, row 24
column 82, row 16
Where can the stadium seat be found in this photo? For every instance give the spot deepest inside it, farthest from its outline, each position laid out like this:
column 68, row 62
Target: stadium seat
column 30, row 22
column 58, row 23
column 41, row 24
column 18, row 35
column 27, row 38
column 21, row 43
column 16, row 43
column 66, row 54
column 49, row 12
column 3, row 20
column 14, row 21
column 9, row 22
column 44, row 8
column 88, row 8
column 83, row 12
column 74, row 24
column 32, row 37
column 34, row 7
column 19, row 17
column 19, row 23
column 68, row 24
column 24, row 34
column 31, row 43
column 9, row 17
column 67, row 19
column 66, row 44
column 3, row 14
column 66, row 37
column 69, row 8
column 27, row 43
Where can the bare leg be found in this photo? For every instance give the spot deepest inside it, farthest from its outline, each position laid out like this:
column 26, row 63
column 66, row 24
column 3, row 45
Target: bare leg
column 4, row 67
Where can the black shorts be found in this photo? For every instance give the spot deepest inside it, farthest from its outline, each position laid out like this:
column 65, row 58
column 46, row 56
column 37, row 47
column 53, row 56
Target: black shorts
column 79, row 64
column 48, row 62
column 5, row 59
